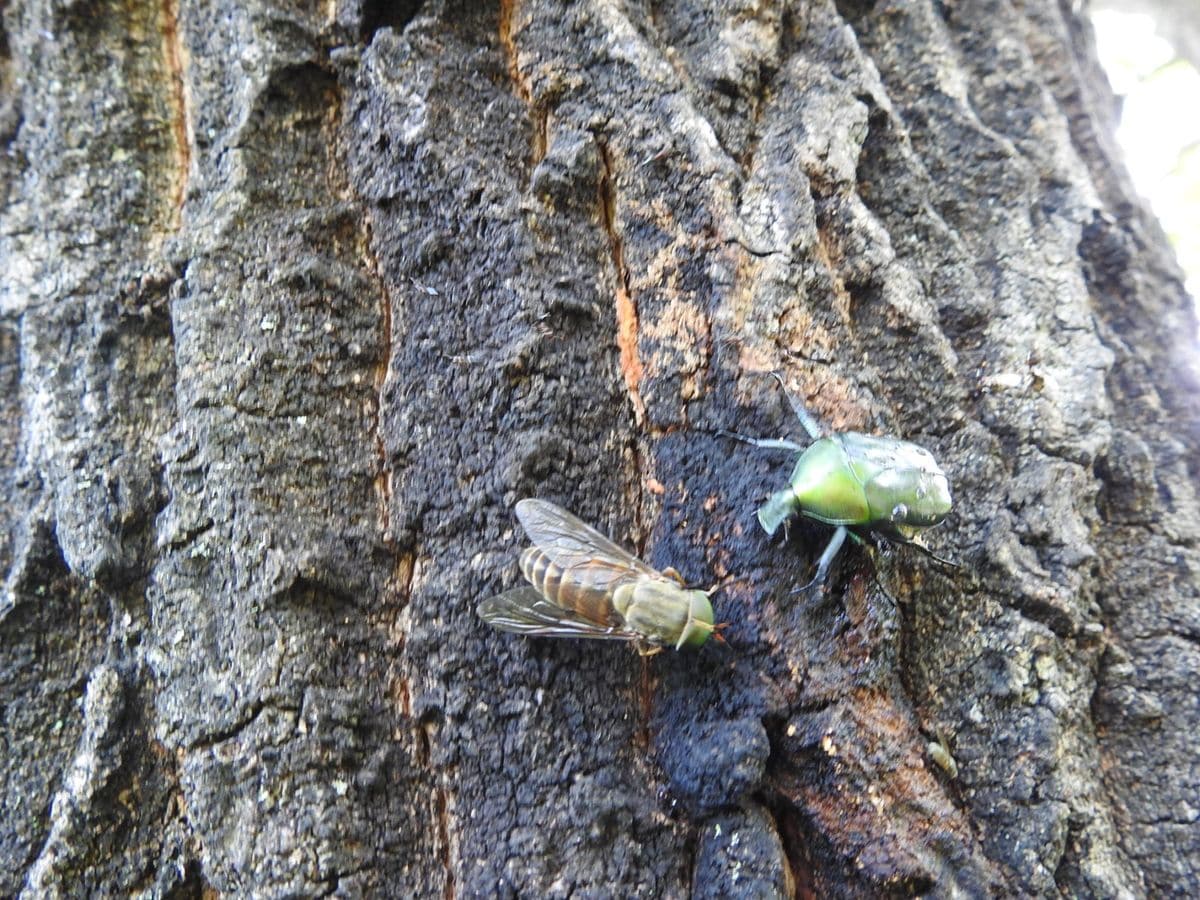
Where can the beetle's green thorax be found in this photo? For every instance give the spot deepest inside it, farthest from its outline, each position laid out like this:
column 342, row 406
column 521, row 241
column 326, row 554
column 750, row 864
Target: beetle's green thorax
column 902, row 482
column 858, row 479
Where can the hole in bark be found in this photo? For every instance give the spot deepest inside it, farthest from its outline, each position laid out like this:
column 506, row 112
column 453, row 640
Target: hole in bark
column 191, row 885
column 852, row 10
column 796, row 841
column 393, row 14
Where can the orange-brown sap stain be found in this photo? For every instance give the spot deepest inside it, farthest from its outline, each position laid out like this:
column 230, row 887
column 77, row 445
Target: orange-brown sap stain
column 627, row 344
column 540, row 117
column 682, row 327
column 626, row 310
column 827, row 255
column 175, row 58
column 878, row 799
column 401, row 697
column 508, row 11
column 802, row 335
column 683, row 330
column 829, row 397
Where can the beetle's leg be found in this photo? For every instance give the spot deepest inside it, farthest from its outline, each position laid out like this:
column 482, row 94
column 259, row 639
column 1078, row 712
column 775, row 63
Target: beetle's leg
column 809, row 423
column 857, row 538
column 725, row 582
column 648, row 649
column 826, row 560
column 768, row 443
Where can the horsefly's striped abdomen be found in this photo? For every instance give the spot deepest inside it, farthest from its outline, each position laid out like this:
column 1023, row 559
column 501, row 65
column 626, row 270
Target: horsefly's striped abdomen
column 574, row 593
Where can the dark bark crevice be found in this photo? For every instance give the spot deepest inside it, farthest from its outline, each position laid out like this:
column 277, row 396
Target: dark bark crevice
column 378, row 14
column 538, row 106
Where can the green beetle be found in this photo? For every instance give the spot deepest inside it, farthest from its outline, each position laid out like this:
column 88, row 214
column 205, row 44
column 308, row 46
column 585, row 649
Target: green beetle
column 868, row 487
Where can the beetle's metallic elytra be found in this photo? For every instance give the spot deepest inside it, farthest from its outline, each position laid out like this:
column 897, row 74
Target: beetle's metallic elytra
column 583, row 585
column 864, row 485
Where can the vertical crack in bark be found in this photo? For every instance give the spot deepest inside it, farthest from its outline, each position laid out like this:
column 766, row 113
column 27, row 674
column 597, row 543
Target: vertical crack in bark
column 174, row 55
column 379, row 373
column 638, row 525
column 366, row 255
column 441, row 807
column 627, row 316
column 645, row 704
column 383, row 480
column 828, row 255
column 631, row 372
column 425, row 728
column 538, row 115
column 508, row 11
column 402, row 577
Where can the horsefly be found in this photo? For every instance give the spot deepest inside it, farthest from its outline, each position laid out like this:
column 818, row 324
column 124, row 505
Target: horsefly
column 583, row 585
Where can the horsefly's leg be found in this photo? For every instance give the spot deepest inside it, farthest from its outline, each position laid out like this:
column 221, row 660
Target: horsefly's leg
column 672, row 572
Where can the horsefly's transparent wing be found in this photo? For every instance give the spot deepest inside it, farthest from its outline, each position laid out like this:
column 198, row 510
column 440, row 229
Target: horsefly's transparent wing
column 523, row 610
column 582, row 552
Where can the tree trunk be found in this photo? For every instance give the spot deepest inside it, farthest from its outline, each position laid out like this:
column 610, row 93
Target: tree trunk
column 298, row 302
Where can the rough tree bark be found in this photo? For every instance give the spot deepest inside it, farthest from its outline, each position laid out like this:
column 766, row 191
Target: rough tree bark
column 297, row 301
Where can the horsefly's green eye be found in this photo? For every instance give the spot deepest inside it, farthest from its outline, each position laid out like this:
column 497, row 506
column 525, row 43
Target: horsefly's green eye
column 866, row 486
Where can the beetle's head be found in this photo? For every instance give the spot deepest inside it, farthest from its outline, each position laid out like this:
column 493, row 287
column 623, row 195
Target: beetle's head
column 910, row 498
column 780, row 507
column 928, row 502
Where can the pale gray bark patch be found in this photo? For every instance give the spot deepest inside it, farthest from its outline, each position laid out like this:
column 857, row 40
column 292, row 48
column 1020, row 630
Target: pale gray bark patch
column 89, row 376
column 274, row 598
